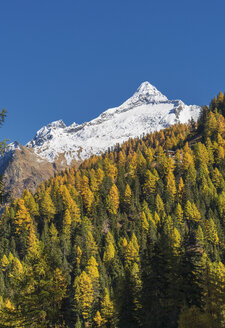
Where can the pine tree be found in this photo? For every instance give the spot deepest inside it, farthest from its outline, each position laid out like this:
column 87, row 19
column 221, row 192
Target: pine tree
column 215, row 293
column 194, row 317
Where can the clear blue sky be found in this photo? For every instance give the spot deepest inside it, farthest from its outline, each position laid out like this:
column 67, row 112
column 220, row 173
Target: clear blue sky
column 72, row 59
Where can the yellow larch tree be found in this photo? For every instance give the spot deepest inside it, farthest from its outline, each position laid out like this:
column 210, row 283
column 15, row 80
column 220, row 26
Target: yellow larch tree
column 150, row 183
column 110, row 169
column 78, row 255
column 93, row 181
column 98, row 319
column 156, row 218
column 149, row 156
column 112, row 200
column 22, row 218
column 84, row 294
column 92, row 270
column 121, row 158
column 171, row 185
column 66, row 229
column 180, row 188
column 69, row 204
column 33, row 242
column 217, row 178
column 30, row 203
column 159, row 206
column 127, row 196
column 179, row 214
column 191, row 212
column 109, row 253
column 131, row 253
column 47, row 208
column 107, row 307
column 99, row 176
column 144, row 221
column 91, row 246
column 136, row 286
column 211, row 232
column 132, row 164
column 175, row 239
column 4, row 262
column 86, row 193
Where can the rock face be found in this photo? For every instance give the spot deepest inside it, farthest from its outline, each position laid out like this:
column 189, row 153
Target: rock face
column 23, row 169
column 56, row 145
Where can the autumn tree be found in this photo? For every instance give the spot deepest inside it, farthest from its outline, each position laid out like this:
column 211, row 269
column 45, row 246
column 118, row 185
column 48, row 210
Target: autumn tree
column 112, row 200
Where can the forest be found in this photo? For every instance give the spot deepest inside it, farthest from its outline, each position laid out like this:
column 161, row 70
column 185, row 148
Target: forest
column 132, row 238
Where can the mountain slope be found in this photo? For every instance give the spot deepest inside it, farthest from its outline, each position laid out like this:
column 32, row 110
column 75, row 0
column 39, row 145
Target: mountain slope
column 133, row 238
column 23, row 169
column 56, row 145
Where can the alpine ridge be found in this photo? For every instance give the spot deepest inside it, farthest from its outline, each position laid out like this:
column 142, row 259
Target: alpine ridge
column 148, row 110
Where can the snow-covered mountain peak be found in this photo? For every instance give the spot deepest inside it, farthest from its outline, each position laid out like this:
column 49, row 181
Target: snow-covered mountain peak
column 47, row 132
column 151, row 93
column 73, row 125
column 57, row 124
column 13, row 146
column 145, row 94
column 146, row 111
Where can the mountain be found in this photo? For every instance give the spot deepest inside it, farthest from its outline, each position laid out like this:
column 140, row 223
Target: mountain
column 146, row 111
column 56, row 145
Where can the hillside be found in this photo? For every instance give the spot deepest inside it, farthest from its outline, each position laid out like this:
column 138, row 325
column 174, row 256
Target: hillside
column 133, row 238
column 22, row 169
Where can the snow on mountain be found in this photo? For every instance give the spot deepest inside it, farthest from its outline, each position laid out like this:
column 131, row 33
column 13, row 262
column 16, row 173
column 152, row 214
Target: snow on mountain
column 12, row 146
column 146, row 111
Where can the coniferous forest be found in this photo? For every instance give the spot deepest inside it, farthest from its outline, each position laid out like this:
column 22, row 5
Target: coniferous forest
column 133, row 238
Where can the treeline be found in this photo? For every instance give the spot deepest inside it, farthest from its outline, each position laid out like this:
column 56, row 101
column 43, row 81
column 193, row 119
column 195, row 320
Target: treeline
column 133, row 238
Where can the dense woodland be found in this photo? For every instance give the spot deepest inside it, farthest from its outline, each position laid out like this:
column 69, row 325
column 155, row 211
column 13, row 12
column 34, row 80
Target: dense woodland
column 133, row 238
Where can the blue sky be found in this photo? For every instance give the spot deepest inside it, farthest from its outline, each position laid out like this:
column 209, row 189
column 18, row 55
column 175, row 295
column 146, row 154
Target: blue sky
column 71, row 60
